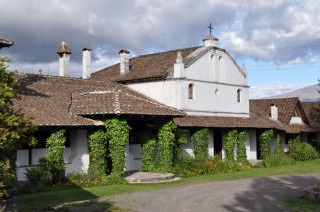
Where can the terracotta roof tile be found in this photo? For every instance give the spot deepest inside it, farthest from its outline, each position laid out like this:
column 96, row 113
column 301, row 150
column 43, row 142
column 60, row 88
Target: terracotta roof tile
column 59, row 101
column 146, row 67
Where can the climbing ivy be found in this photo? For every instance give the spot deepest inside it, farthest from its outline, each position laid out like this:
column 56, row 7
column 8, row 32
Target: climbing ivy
column 181, row 139
column 98, row 150
column 53, row 161
column 148, row 152
column 265, row 142
column 230, row 141
column 278, row 150
column 166, row 141
column 241, row 147
column 199, row 141
column 117, row 132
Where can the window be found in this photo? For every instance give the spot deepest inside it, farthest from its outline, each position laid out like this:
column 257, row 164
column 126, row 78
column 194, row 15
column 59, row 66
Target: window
column 217, row 92
column 191, row 91
column 239, row 95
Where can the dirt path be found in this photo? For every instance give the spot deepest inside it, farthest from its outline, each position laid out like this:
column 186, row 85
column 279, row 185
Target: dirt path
column 258, row 194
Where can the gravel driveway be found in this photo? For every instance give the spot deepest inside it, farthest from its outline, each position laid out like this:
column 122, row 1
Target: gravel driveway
column 257, row 194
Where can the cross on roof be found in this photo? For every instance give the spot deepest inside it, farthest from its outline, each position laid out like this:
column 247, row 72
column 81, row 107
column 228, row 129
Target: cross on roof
column 210, row 28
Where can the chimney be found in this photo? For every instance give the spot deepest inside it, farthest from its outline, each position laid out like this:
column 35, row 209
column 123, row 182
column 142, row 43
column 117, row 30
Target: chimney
column 210, row 40
column 64, row 59
column 124, row 61
column 274, row 112
column 86, row 63
column 178, row 69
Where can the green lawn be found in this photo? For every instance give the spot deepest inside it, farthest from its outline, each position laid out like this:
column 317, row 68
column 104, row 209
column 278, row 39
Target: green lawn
column 45, row 201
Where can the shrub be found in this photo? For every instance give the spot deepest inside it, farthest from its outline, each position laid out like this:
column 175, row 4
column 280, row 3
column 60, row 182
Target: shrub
column 98, row 151
column 86, row 179
column 265, row 141
column 191, row 167
column 301, row 151
column 277, row 160
column 115, row 179
column 51, row 168
column 199, row 142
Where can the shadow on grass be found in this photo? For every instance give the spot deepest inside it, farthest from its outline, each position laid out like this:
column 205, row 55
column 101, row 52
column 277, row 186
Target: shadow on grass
column 266, row 193
column 63, row 199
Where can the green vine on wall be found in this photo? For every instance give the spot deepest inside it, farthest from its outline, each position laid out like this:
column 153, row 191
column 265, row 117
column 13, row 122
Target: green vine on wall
column 148, row 151
column 98, row 150
column 265, row 143
column 117, row 132
column 181, row 139
column 230, row 141
column 278, row 150
column 241, row 147
column 199, row 141
column 53, row 161
column 166, row 141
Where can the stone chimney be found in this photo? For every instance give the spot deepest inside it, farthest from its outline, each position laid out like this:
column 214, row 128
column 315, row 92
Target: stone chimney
column 210, row 40
column 86, row 63
column 274, row 112
column 64, row 59
column 124, row 61
column 178, row 69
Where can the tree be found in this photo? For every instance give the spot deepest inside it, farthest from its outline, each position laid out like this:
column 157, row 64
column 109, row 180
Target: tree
column 15, row 129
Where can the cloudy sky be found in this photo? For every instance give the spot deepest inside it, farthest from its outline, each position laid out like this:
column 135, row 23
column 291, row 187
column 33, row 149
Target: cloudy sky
column 277, row 40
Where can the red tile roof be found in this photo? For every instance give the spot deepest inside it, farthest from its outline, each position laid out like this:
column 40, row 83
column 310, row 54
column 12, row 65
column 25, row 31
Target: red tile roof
column 59, row 101
column 146, row 67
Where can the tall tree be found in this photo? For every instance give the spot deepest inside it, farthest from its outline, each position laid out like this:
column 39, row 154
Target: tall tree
column 15, row 129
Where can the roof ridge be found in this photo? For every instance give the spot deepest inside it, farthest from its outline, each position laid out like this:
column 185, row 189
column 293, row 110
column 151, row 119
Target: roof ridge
column 164, row 52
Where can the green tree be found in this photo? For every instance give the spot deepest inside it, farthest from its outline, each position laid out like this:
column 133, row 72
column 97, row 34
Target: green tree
column 15, row 129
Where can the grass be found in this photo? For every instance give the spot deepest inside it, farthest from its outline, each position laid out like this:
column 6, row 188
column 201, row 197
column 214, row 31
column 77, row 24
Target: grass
column 47, row 200
column 300, row 204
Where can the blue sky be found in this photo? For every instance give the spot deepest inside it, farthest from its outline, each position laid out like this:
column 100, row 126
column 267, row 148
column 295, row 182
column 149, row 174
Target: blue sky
column 277, row 40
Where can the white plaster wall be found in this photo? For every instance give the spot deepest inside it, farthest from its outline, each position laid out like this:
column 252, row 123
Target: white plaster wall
column 214, row 71
column 206, row 100
column 78, row 156
column 210, row 144
column 133, row 156
column 188, row 150
column 251, row 145
column 216, row 66
column 167, row 92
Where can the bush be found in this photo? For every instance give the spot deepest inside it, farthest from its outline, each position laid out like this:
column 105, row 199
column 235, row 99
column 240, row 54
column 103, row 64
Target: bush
column 301, row 151
column 277, row 160
column 191, row 167
column 86, row 179
column 115, row 179
column 241, row 150
column 51, row 168
column 38, row 176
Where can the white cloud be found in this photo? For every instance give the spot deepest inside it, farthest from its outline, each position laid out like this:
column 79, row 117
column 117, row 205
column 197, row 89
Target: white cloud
column 272, row 90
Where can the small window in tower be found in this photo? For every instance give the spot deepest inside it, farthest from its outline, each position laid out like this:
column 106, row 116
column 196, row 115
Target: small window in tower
column 239, row 95
column 191, row 91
